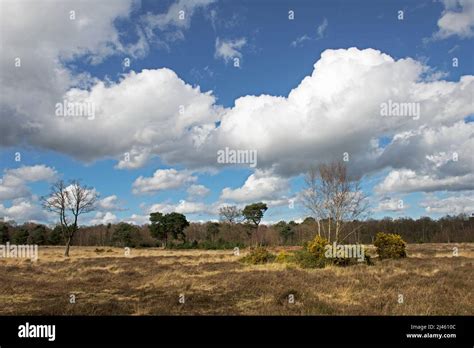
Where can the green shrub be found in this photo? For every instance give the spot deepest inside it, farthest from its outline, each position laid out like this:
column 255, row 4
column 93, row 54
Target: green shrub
column 312, row 256
column 258, row 255
column 390, row 246
column 285, row 257
column 306, row 259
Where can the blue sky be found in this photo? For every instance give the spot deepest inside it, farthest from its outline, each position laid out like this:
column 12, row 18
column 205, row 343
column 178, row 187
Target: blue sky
column 136, row 106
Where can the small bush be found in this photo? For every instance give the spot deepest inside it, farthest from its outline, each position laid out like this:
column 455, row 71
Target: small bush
column 390, row 246
column 285, row 257
column 306, row 259
column 317, row 246
column 258, row 256
column 313, row 254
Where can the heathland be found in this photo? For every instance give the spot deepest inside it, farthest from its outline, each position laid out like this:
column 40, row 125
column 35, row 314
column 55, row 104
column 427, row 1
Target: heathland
column 431, row 280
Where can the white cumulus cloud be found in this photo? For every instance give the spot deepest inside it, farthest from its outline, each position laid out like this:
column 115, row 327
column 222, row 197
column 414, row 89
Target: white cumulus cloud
column 162, row 179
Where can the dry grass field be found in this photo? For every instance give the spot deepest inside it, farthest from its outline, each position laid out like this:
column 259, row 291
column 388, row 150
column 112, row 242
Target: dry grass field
column 150, row 281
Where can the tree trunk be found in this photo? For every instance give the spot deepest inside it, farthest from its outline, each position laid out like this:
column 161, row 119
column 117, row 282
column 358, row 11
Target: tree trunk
column 68, row 244
column 329, row 228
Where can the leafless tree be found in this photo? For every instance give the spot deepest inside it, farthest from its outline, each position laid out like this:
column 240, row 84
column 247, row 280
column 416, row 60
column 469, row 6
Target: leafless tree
column 69, row 202
column 230, row 214
column 331, row 195
column 312, row 197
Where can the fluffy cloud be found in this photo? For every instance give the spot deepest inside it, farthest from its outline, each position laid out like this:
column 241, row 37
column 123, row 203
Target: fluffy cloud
column 22, row 211
column 103, row 218
column 14, row 182
column 109, row 203
column 183, row 207
column 229, row 49
column 455, row 204
column 261, row 185
column 198, row 191
column 457, row 19
column 169, row 107
column 162, row 179
column 136, row 219
column 430, row 160
column 409, row 181
column 155, row 113
column 145, row 111
column 327, row 115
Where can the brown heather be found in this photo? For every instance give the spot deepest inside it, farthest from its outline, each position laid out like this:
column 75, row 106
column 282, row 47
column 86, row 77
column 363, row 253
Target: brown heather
column 105, row 282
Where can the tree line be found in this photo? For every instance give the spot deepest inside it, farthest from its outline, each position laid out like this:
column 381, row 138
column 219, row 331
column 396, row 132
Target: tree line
column 225, row 235
column 334, row 200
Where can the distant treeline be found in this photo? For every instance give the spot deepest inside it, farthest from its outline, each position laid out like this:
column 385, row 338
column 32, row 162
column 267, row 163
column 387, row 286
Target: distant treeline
column 214, row 235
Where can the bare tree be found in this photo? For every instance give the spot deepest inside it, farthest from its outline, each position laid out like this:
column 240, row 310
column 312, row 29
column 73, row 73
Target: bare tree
column 230, row 214
column 332, row 195
column 69, row 202
column 312, row 198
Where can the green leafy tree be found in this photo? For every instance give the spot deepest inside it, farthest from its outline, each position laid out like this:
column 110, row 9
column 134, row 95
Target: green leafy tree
column 20, row 236
column 285, row 230
column 37, row 235
column 253, row 214
column 164, row 226
column 56, row 237
column 157, row 227
column 125, row 235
